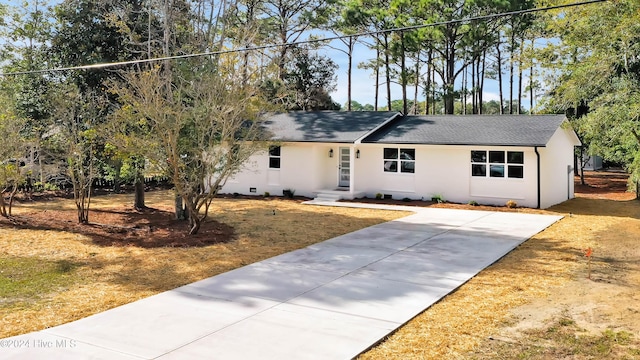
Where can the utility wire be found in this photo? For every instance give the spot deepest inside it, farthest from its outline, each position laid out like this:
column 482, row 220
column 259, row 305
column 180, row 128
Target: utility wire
column 310, row 41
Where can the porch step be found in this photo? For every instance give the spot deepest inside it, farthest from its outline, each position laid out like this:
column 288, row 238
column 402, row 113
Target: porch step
column 326, row 196
column 336, row 194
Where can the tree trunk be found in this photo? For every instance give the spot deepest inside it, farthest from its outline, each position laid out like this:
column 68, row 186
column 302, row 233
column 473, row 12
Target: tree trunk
column 499, row 60
column 531, row 82
column 12, row 196
column 520, row 80
column 192, row 215
column 83, row 199
column 481, row 81
column 377, row 71
column 349, row 66
column 415, row 92
column 474, row 96
column 138, row 201
column 179, row 209
column 194, row 225
column 387, row 66
column 463, row 98
column 138, row 183
column 582, row 162
column 427, row 88
column 513, row 44
column 403, row 76
column 3, row 206
column 449, row 81
column 433, row 90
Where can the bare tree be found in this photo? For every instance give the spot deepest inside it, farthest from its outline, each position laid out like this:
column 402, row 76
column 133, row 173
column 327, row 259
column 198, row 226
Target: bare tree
column 205, row 127
column 78, row 119
column 11, row 152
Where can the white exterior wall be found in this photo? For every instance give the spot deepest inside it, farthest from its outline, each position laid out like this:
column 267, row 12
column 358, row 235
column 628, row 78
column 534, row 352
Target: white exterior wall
column 445, row 171
column 556, row 168
column 304, row 167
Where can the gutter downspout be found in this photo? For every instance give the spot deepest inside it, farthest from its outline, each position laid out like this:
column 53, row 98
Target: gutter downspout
column 535, row 148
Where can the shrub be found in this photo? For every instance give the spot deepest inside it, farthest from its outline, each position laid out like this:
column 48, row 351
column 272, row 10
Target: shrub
column 406, row 199
column 379, row 196
column 288, row 193
column 511, row 204
column 51, row 187
column 473, row 203
column 266, row 194
column 437, row 199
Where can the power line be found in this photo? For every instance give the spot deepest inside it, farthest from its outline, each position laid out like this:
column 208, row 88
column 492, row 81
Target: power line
column 310, row 41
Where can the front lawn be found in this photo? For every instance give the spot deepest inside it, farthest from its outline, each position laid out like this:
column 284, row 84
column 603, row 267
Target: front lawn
column 537, row 302
column 53, row 271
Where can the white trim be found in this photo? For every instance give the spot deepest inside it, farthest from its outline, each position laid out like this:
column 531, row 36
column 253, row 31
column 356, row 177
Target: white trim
column 359, row 140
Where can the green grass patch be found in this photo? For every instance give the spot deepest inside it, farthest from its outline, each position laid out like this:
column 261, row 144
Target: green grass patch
column 30, row 278
column 565, row 339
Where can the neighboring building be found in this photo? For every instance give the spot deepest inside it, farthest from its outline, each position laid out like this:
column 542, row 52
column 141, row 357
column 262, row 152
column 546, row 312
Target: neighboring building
column 593, row 162
column 487, row 159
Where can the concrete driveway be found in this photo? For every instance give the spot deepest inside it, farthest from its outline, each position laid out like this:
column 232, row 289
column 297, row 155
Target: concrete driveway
column 331, row 300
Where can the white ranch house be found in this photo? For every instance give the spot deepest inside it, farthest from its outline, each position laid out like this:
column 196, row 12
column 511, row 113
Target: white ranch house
column 487, row 159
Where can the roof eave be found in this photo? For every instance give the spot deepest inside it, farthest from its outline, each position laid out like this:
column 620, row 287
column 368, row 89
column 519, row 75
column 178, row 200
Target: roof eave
column 452, row 144
column 380, row 126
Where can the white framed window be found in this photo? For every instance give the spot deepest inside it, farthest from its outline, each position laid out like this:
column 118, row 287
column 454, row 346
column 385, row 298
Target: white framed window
column 401, row 160
column 274, row 157
column 497, row 164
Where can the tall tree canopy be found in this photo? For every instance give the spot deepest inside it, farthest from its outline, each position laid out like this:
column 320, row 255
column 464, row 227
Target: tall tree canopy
column 596, row 65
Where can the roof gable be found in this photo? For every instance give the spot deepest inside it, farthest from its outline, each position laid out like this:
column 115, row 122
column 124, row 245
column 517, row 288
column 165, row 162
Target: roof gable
column 325, row 126
column 496, row 130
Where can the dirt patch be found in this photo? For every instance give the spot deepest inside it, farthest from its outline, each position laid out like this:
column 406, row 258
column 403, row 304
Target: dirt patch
column 125, row 226
column 600, row 306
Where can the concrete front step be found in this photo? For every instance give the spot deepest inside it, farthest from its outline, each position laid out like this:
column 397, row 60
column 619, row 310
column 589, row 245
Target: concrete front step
column 335, row 195
column 328, row 197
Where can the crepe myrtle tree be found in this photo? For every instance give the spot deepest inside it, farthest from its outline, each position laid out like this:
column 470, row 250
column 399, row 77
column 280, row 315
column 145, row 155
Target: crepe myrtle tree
column 78, row 130
column 200, row 126
column 12, row 149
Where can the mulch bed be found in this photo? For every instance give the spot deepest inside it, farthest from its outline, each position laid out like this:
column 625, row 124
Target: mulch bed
column 610, row 185
column 152, row 228
column 149, row 228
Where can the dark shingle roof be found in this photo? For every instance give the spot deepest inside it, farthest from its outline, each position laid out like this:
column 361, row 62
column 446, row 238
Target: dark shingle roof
column 500, row 130
column 324, row 126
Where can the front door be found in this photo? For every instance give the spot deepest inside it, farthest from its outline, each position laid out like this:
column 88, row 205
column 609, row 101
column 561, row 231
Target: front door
column 345, row 167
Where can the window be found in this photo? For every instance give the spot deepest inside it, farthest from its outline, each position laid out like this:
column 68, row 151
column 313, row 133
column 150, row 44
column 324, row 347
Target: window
column 515, row 161
column 274, row 157
column 478, row 163
column 496, row 163
column 399, row 160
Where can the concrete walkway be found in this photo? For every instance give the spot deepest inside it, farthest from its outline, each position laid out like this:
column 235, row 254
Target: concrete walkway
column 331, row 300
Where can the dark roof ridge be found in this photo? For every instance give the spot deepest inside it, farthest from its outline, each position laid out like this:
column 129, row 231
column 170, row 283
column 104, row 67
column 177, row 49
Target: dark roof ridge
column 497, row 130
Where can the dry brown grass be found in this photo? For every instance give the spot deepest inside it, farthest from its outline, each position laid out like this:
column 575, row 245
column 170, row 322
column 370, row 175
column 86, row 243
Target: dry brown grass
column 106, row 277
column 545, row 278
column 548, row 272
